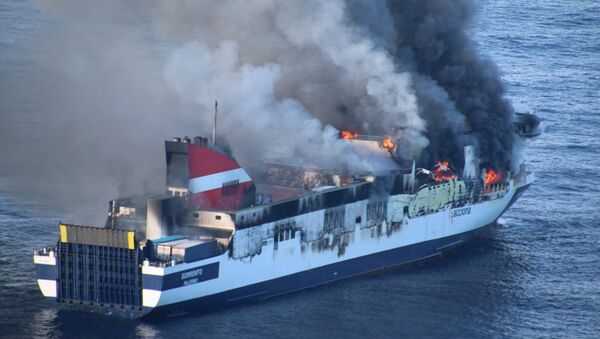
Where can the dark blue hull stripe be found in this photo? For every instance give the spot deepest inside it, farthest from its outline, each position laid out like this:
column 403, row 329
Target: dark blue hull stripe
column 318, row 276
column 48, row 272
column 192, row 276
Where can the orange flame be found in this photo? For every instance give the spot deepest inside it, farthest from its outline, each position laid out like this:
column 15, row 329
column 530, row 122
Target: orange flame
column 492, row 177
column 388, row 143
column 442, row 172
column 345, row 134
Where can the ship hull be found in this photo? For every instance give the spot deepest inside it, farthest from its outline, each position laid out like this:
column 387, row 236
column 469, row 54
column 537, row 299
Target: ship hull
column 374, row 263
column 225, row 281
column 377, row 262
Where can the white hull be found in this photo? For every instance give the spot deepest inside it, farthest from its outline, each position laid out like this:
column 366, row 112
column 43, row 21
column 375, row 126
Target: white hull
column 295, row 255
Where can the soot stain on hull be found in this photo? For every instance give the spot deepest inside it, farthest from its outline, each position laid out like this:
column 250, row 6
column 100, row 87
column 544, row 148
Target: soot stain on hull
column 388, row 261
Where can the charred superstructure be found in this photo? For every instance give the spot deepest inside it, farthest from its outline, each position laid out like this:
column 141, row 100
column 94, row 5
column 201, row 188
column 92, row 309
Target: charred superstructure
column 216, row 237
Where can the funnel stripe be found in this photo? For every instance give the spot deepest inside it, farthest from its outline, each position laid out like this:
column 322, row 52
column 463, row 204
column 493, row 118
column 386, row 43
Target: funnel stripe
column 204, row 161
column 214, row 181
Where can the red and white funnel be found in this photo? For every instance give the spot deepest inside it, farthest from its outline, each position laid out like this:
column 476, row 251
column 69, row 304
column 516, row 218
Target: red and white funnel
column 217, row 181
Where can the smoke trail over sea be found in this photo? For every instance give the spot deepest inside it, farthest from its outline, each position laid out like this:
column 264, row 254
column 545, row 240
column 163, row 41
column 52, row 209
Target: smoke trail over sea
column 114, row 78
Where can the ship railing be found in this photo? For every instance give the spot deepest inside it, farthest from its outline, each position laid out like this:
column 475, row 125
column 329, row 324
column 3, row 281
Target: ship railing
column 497, row 187
column 163, row 263
column 524, row 177
column 339, row 171
column 49, row 251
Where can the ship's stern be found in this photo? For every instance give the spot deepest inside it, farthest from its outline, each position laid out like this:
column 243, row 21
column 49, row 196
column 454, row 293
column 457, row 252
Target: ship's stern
column 93, row 269
column 46, row 271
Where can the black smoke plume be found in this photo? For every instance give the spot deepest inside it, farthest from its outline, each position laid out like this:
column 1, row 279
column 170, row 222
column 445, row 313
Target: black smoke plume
column 434, row 35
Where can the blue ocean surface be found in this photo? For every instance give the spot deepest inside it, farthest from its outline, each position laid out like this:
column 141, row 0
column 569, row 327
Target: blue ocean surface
column 536, row 275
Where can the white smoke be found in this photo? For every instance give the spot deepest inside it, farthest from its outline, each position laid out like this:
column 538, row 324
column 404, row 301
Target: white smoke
column 310, row 51
column 258, row 126
column 390, row 100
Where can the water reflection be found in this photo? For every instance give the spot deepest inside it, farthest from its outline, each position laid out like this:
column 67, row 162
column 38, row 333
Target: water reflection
column 146, row 330
column 43, row 324
column 77, row 324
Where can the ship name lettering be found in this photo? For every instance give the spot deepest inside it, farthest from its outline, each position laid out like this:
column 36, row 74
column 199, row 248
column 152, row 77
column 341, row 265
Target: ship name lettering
column 191, row 274
column 190, row 281
column 460, row 212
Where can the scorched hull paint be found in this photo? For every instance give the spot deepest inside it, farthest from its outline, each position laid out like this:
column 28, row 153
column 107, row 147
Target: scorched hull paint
column 384, row 260
column 388, row 260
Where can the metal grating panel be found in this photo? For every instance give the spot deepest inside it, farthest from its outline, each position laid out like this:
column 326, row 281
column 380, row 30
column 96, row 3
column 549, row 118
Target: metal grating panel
column 99, row 275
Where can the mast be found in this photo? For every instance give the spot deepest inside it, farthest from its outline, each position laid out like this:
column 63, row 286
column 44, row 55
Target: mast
column 214, row 131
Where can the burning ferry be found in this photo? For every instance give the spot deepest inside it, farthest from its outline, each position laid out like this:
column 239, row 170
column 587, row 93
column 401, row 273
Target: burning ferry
column 218, row 236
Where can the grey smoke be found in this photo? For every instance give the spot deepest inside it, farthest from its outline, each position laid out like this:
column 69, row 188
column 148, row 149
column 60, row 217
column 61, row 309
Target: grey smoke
column 434, row 34
column 326, row 63
column 109, row 80
column 374, row 66
column 258, row 126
